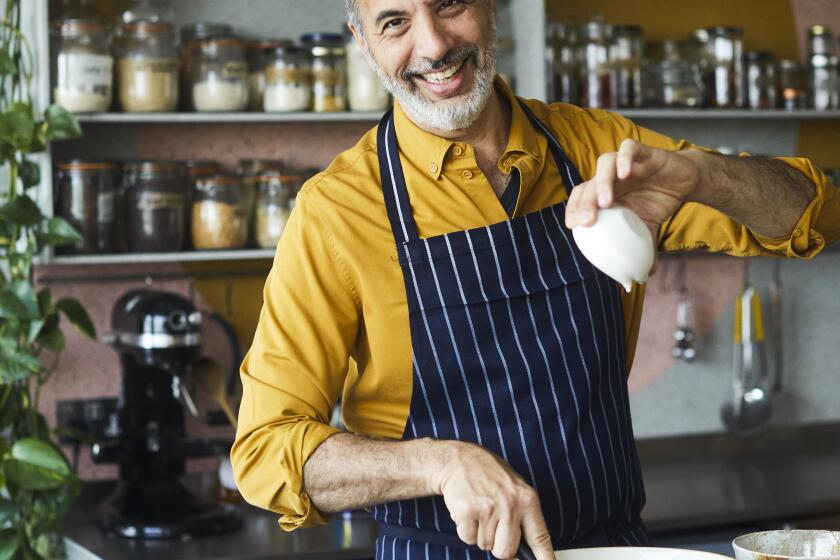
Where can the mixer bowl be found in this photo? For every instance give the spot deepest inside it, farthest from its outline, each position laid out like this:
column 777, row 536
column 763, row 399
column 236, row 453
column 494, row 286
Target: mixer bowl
column 788, row 545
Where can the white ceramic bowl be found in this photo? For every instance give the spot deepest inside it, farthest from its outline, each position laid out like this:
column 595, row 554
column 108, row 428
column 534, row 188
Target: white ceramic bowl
column 788, row 545
column 635, row 553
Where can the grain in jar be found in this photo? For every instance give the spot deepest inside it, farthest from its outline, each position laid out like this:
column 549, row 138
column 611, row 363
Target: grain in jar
column 220, row 213
column 154, row 204
column 190, row 35
column 329, row 71
column 86, row 198
column 83, row 68
column 220, row 75
column 147, row 69
column 364, row 90
column 275, row 199
column 195, row 169
column 288, row 79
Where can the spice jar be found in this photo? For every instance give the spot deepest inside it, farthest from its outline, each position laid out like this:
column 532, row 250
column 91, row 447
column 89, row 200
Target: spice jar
column 329, row 71
column 147, row 69
column 597, row 79
column 154, row 198
column 364, row 90
column 793, row 93
column 824, row 77
column 220, row 213
column 726, row 48
column 190, row 35
column 86, row 193
column 220, row 75
column 287, row 79
column 626, row 52
column 256, row 55
column 673, row 83
column 761, row 85
column 564, row 62
column 195, row 169
column 83, row 68
column 275, row 196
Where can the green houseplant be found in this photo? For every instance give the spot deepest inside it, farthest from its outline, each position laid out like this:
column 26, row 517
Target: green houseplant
column 37, row 485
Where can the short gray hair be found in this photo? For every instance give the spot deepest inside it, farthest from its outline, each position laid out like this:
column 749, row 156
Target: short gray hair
column 353, row 14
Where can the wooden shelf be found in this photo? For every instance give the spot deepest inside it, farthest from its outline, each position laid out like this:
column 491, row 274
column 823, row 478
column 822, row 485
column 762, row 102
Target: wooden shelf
column 186, row 118
column 183, row 256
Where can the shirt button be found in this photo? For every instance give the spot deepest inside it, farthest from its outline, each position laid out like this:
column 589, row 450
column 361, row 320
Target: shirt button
column 457, row 150
column 467, row 174
column 797, row 232
column 433, row 167
column 509, row 162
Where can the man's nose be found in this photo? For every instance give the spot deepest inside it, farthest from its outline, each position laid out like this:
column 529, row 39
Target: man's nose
column 432, row 39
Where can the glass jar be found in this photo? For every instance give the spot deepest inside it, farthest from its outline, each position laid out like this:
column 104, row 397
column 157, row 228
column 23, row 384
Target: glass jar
column 220, row 75
column 275, row 200
column 626, row 51
column 329, row 71
column 287, row 80
column 364, row 90
column 220, row 213
column 195, row 169
column 564, row 62
column 256, row 55
column 824, row 78
column 154, row 198
column 147, row 69
column 190, row 35
column 83, row 68
column 793, row 93
column 761, row 83
column 85, row 197
column 726, row 49
column 673, row 83
column 597, row 79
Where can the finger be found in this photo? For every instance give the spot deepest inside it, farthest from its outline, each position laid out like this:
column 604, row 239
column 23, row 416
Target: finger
column 508, row 533
column 628, row 152
column 468, row 531
column 487, row 533
column 599, row 191
column 572, row 205
column 536, row 533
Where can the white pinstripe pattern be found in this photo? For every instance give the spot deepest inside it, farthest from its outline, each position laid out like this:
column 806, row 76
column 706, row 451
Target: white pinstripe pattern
column 544, row 356
column 425, row 394
column 454, row 343
column 503, row 359
column 432, row 345
column 394, row 181
column 408, row 549
column 434, row 502
column 478, row 352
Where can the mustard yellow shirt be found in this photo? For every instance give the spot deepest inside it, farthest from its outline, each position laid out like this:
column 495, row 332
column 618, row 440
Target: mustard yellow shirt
column 334, row 322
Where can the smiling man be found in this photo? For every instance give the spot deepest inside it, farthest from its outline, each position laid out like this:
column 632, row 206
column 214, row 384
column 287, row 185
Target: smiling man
column 429, row 280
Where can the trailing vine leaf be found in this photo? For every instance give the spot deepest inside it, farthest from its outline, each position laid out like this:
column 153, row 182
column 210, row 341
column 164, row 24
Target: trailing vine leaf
column 78, row 317
column 16, row 364
column 21, row 211
column 23, row 291
column 17, row 126
column 30, row 173
column 10, row 304
column 9, row 544
column 60, row 232
column 7, row 64
column 36, row 465
column 60, row 124
column 7, row 513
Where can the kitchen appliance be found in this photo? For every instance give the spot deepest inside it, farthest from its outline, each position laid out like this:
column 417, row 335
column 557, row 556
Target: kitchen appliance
column 158, row 338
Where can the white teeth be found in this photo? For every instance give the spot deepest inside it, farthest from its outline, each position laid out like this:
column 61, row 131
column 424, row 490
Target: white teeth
column 440, row 77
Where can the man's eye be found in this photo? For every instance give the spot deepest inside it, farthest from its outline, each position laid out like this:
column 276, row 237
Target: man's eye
column 393, row 23
column 449, row 3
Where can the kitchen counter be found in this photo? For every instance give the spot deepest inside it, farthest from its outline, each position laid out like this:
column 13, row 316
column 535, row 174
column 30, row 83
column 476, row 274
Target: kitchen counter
column 702, row 491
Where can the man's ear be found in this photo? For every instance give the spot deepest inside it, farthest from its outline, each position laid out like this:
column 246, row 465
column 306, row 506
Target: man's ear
column 357, row 34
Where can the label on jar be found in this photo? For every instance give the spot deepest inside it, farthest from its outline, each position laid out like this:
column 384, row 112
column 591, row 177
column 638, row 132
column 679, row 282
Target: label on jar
column 85, row 73
column 287, row 75
column 234, row 70
column 160, row 200
column 105, row 208
column 327, row 76
column 155, row 65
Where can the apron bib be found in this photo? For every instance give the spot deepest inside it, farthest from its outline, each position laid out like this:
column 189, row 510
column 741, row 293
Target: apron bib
column 518, row 346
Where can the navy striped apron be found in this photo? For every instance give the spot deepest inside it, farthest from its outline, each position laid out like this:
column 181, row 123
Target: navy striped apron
column 518, row 346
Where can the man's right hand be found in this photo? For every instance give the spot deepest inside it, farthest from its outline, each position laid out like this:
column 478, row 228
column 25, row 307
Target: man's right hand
column 492, row 506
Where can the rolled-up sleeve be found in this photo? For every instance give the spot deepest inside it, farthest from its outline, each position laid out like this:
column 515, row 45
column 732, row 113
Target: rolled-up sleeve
column 697, row 226
column 294, row 371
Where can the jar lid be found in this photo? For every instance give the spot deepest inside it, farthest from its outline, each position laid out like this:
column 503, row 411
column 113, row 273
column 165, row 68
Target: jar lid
column 722, row 31
column 77, row 165
column 788, row 64
column 153, row 168
column 257, row 46
column 73, row 26
column 195, row 167
column 143, row 27
column 257, row 166
column 632, row 30
column 278, row 176
column 287, row 50
column 202, row 30
column 324, row 44
column 219, row 180
column 759, row 56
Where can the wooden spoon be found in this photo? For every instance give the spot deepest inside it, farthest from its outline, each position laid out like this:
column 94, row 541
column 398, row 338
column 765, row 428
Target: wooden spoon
column 211, row 379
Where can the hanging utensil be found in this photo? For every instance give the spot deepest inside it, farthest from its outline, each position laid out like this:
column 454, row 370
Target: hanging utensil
column 684, row 334
column 776, row 326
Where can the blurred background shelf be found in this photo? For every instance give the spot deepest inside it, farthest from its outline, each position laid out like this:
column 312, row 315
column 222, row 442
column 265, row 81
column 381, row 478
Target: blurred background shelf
column 181, row 256
column 186, row 118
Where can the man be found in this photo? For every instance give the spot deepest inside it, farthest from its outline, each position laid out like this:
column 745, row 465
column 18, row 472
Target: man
column 428, row 279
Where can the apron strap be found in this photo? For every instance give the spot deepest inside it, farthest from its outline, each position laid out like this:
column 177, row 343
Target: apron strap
column 393, row 182
column 571, row 176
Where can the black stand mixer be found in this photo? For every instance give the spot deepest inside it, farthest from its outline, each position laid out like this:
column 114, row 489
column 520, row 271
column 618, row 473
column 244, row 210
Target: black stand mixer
column 158, row 337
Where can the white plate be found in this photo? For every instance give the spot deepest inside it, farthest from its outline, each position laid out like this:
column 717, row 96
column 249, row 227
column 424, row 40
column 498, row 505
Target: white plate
column 635, row 553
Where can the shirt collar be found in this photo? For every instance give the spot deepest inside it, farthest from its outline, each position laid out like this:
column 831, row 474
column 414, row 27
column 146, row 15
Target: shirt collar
column 428, row 151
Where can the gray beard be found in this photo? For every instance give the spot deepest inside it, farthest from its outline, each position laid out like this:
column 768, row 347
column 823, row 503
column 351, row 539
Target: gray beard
column 450, row 114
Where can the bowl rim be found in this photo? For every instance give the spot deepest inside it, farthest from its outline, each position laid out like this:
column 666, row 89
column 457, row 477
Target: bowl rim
column 737, row 546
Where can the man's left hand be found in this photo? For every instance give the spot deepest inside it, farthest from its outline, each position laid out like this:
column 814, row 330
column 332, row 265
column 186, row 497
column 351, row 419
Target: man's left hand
column 651, row 182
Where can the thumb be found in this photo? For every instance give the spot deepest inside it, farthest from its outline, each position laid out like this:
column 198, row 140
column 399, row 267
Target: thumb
column 536, row 535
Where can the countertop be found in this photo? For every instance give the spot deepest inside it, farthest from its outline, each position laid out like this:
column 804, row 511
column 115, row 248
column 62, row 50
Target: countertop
column 701, row 491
